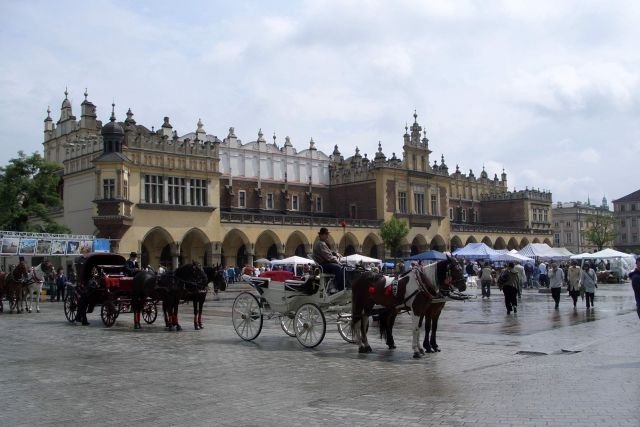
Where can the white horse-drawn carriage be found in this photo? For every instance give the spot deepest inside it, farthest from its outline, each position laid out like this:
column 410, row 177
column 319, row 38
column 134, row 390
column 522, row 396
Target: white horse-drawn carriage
column 301, row 306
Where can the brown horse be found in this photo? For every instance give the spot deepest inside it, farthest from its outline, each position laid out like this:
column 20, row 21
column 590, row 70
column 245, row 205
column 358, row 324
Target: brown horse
column 417, row 291
column 11, row 289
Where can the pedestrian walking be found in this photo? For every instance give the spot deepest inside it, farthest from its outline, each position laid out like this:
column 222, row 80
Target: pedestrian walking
column 508, row 283
column 61, row 283
column 556, row 280
column 528, row 271
column 573, row 277
column 589, row 281
column 544, row 277
column 635, row 284
column 486, row 278
column 522, row 278
column 535, row 278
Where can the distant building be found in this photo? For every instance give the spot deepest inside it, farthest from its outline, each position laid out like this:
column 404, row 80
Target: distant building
column 570, row 220
column 626, row 210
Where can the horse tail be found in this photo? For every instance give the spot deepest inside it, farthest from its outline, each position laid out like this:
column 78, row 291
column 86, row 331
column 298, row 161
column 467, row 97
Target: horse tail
column 383, row 320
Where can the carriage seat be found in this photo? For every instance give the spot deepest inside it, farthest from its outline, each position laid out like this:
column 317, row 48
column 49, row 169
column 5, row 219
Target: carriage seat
column 260, row 282
column 307, row 287
column 112, row 281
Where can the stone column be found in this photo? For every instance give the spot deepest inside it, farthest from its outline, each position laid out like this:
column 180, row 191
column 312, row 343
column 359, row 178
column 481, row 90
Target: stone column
column 214, row 257
column 175, row 255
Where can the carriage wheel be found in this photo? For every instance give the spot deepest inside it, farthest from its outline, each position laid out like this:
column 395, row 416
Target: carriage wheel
column 109, row 313
column 71, row 307
column 310, row 325
column 247, row 316
column 344, row 328
column 150, row 312
column 286, row 322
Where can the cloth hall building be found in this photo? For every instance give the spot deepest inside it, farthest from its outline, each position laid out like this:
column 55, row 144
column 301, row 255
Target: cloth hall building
column 176, row 198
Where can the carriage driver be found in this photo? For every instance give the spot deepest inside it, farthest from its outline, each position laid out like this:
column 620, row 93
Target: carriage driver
column 21, row 271
column 328, row 260
column 132, row 266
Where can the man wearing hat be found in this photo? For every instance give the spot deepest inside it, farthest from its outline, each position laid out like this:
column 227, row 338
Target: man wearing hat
column 328, row 260
column 132, row 266
column 21, row 271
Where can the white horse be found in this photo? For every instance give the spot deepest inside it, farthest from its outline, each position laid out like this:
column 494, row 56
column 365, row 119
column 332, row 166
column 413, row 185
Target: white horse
column 37, row 276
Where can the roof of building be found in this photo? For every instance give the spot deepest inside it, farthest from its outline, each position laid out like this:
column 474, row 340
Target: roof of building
column 113, row 156
column 635, row 196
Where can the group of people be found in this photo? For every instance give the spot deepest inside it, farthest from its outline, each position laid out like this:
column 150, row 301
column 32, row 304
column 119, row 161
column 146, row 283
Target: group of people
column 579, row 281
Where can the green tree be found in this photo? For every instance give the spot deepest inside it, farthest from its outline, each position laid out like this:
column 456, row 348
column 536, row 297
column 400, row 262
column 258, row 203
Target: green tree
column 392, row 233
column 28, row 190
column 601, row 229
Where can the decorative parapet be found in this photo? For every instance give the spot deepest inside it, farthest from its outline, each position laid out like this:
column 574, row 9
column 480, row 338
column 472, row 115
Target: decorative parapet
column 420, row 220
column 296, row 220
column 482, row 228
column 543, row 196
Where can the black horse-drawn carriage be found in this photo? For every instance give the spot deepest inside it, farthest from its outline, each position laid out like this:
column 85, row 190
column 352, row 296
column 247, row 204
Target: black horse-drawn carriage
column 103, row 280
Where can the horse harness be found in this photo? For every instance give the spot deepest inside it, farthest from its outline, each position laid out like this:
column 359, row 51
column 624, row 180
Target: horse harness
column 422, row 288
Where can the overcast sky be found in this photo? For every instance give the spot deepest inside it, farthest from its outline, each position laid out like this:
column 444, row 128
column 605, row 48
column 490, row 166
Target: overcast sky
column 549, row 90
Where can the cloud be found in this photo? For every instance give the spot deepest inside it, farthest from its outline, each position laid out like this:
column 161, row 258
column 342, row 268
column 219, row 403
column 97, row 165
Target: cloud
column 585, row 89
column 542, row 88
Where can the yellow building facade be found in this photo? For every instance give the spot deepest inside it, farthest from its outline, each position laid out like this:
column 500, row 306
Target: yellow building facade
column 195, row 197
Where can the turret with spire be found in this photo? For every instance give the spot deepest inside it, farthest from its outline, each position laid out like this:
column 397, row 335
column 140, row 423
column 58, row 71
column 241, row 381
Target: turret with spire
column 67, row 122
column 49, row 126
column 112, row 134
column 416, row 146
column 201, row 134
column 88, row 114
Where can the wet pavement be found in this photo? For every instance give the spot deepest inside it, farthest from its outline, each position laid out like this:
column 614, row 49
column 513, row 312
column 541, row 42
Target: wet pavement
column 540, row 366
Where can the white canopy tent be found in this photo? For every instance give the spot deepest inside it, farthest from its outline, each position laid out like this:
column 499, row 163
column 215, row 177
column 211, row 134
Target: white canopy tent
column 357, row 259
column 620, row 263
column 520, row 257
column 563, row 251
column 604, row 254
column 294, row 261
column 475, row 251
column 542, row 251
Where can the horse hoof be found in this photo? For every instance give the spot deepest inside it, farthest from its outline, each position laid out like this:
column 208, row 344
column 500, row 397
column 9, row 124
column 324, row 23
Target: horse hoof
column 362, row 350
column 368, row 349
column 178, row 328
column 38, row 311
column 195, row 326
column 201, row 325
column 391, row 346
column 422, row 351
column 170, row 328
column 416, row 355
column 437, row 350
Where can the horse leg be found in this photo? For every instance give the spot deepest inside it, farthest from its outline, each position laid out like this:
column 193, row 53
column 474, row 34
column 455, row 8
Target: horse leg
column 39, row 291
column 415, row 321
column 175, row 316
column 364, row 326
column 355, row 330
column 195, row 314
column 165, row 312
column 200, row 307
column 427, row 328
column 434, row 328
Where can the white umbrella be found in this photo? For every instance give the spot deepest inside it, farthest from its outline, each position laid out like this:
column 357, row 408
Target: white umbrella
column 261, row 261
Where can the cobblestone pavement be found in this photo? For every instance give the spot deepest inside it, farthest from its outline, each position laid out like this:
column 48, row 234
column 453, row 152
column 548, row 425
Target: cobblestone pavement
column 539, row 367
